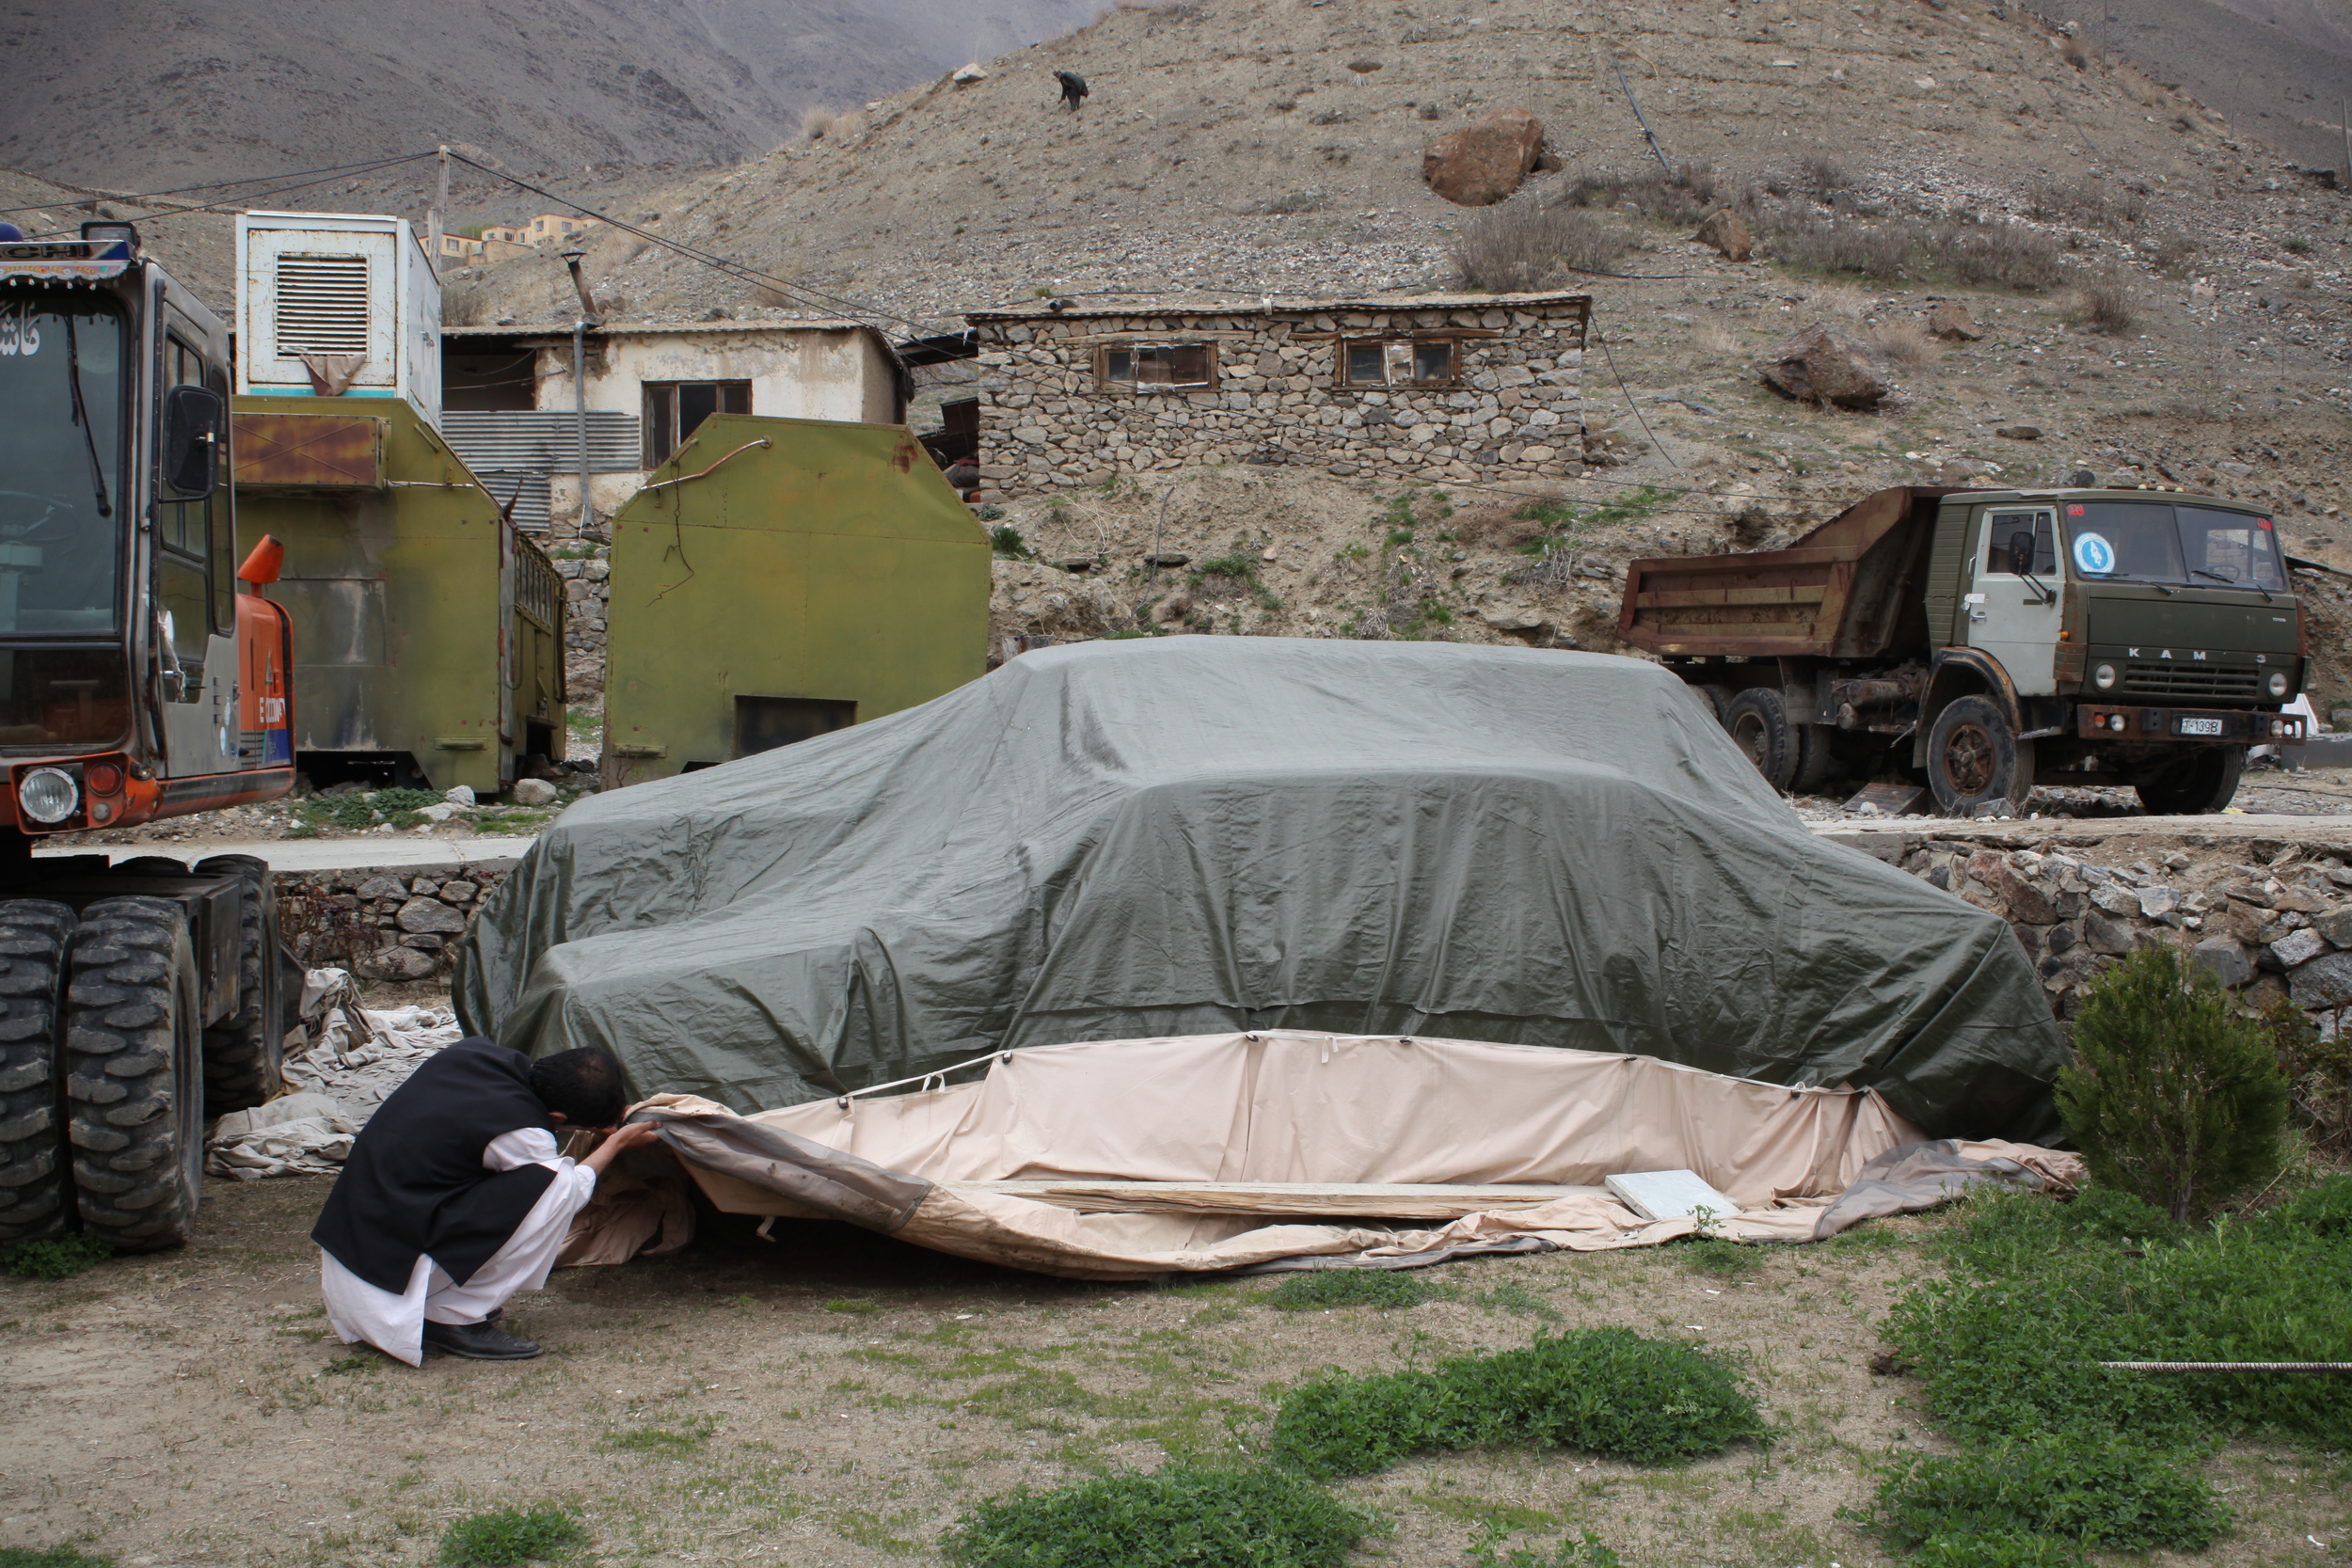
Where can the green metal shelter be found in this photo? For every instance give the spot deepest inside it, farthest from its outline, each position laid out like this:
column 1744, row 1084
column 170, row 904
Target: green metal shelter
column 428, row 631
column 780, row 578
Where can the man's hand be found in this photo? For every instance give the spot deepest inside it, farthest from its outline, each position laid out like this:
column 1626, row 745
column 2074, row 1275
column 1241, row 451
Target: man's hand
column 620, row 1141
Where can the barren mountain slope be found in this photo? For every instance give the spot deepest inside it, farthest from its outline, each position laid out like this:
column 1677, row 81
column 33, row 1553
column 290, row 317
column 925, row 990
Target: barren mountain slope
column 1206, row 116
column 2285, row 77
column 142, row 94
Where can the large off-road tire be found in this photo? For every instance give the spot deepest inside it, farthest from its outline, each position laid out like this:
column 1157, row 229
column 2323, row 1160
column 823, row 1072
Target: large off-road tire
column 2206, row 782
column 34, row 1189
column 134, row 1053
column 1975, row 758
column 245, row 1052
column 1718, row 697
column 1817, row 758
column 1758, row 720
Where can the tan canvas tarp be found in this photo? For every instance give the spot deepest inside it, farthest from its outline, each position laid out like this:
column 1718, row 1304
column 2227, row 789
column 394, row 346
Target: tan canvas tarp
column 1274, row 1109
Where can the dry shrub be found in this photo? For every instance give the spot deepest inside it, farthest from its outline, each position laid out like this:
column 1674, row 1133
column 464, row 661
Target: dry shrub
column 2008, row 255
column 1825, row 178
column 1688, row 195
column 1496, row 526
column 2084, row 201
column 1522, row 245
column 2174, row 254
column 1834, row 244
column 818, row 123
column 464, row 304
column 2105, row 306
column 1903, row 342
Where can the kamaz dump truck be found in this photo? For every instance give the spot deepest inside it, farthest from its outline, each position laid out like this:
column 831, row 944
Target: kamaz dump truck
column 1985, row 639
column 137, row 680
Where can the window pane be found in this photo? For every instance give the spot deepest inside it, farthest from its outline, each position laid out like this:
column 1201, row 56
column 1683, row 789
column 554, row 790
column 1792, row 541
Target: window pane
column 696, row 401
column 220, row 521
column 1189, row 364
column 734, row 397
column 1151, row 365
column 1119, row 364
column 660, row 421
column 1433, row 361
column 2231, row 545
column 66, row 512
column 2124, row 539
column 1365, row 366
column 187, row 625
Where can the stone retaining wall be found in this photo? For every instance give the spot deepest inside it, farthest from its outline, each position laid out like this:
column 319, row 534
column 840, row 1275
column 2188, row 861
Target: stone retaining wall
column 384, row 924
column 1512, row 408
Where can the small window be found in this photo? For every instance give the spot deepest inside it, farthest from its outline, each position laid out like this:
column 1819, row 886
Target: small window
column 1142, row 365
column 675, row 409
column 2006, row 525
column 764, row 723
column 1397, row 362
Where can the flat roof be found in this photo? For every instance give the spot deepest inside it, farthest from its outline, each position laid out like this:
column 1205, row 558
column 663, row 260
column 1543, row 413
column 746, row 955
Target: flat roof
column 1274, row 305
column 638, row 329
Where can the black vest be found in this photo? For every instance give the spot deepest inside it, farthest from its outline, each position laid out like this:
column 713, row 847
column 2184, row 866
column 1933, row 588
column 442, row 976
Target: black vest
column 415, row 1183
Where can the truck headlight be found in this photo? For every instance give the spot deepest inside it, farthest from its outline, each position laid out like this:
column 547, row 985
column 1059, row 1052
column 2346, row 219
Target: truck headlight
column 47, row 795
column 2104, row 678
column 2278, row 683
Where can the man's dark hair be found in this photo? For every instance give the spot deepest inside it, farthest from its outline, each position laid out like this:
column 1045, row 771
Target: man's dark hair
column 584, row 1085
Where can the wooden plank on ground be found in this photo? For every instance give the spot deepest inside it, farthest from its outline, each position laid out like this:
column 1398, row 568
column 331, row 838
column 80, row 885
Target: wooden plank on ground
column 1371, row 1199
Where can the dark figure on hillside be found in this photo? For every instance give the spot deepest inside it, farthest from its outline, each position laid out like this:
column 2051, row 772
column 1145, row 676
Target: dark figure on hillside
column 1073, row 89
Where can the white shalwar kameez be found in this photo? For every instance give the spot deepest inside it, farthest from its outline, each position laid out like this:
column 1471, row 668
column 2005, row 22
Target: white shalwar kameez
column 395, row 1324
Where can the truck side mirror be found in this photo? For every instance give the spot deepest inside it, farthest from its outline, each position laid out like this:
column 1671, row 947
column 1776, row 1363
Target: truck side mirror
column 192, row 429
column 2021, row 553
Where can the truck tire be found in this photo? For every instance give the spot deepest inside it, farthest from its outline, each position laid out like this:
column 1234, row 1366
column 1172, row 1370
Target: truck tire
column 34, row 1186
column 1817, row 758
column 1975, row 758
column 1757, row 720
column 2205, row 783
column 245, row 1052
column 134, row 1053
column 1718, row 697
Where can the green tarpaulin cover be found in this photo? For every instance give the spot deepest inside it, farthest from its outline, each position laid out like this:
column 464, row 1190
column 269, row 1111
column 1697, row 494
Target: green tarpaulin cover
column 1201, row 834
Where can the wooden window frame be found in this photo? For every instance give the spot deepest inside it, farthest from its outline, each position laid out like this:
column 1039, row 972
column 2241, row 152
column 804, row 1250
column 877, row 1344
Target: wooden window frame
column 1413, row 344
column 1134, row 386
column 660, row 425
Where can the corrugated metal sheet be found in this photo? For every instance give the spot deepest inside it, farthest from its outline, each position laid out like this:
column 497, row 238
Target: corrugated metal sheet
column 544, row 443
column 529, row 492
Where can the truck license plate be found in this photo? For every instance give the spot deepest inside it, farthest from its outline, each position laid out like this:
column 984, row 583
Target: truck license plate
column 2201, row 726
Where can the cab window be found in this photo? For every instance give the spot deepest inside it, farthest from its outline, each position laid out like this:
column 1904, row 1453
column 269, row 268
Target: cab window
column 183, row 559
column 2004, row 526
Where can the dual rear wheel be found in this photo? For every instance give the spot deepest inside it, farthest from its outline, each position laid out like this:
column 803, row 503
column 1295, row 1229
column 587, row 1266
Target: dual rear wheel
column 106, row 1070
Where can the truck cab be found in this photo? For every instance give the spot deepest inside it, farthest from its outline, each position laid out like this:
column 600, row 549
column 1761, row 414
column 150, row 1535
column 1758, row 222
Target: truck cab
column 1985, row 639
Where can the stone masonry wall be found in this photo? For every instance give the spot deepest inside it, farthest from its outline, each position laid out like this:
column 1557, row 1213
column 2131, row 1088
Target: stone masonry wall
column 1516, row 412
column 385, row 924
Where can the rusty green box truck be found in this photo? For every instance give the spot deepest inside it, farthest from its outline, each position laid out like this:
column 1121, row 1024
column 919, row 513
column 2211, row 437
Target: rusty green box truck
column 1985, row 639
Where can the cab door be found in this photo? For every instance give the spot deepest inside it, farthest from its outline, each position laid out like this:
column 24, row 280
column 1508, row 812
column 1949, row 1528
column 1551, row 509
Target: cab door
column 2015, row 616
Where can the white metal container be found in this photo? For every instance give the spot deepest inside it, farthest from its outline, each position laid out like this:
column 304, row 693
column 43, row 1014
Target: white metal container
column 332, row 302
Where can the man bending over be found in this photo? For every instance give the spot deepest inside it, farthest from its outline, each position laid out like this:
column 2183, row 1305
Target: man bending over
column 454, row 1197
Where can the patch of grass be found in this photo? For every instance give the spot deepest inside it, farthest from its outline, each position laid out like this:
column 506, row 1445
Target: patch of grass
column 359, row 1361
column 989, row 512
column 1513, row 1296
column 1005, row 540
column 509, row 1535
column 855, row 1306
column 1177, row 1517
column 1318, row 1289
column 1607, row 1391
column 1722, row 1258
column 54, row 1556
column 1586, row 1551
column 60, row 1258
column 2061, row 1451
column 672, row 1442
column 352, row 813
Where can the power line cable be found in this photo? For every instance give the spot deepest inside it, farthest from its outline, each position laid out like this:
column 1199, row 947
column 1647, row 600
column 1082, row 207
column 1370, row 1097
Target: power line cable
column 153, row 198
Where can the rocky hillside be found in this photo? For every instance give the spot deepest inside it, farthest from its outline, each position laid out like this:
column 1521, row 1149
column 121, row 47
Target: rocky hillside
column 158, row 95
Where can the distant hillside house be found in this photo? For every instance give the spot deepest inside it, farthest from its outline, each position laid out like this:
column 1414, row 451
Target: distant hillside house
column 1469, row 387
column 507, row 398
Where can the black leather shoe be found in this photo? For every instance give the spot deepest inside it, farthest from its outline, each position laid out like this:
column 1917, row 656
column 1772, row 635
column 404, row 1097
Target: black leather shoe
column 478, row 1342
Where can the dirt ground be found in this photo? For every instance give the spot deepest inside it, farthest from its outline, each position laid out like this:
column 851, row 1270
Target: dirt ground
column 832, row 1397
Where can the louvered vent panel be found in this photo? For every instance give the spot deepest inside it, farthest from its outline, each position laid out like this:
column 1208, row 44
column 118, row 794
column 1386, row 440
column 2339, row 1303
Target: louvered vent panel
column 322, row 304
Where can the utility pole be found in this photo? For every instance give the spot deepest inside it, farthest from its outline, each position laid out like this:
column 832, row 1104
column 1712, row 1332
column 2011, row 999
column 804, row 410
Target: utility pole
column 434, row 220
column 588, row 318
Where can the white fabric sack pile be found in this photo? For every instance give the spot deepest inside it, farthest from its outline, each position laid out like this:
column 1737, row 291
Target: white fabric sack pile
column 339, row 1066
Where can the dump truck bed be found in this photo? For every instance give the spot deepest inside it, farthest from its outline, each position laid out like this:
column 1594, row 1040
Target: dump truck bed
column 1851, row 588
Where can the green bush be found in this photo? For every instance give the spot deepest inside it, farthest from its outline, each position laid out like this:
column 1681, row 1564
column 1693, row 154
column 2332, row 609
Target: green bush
column 509, row 1536
column 2172, row 1098
column 1005, row 541
column 60, row 1258
column 1318, row 1289
column 1607, row 1391
column 1178, row 1515
column 2066, row 1489
column 55, row 1556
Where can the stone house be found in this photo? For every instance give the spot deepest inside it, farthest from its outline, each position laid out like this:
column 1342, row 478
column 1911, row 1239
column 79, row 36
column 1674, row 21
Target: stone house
column 508, row 405
column 1469, row 387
